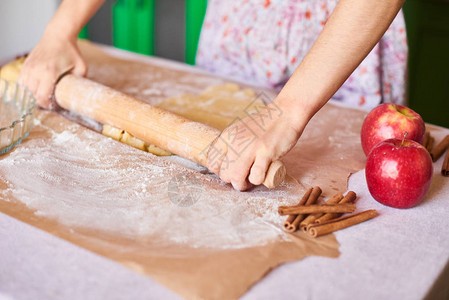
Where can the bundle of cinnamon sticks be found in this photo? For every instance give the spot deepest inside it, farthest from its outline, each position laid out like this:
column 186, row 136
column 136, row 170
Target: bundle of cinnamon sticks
column 321, row 219
column 437, row 151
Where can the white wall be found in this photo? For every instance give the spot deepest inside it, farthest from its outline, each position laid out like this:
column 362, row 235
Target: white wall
column 22, row 23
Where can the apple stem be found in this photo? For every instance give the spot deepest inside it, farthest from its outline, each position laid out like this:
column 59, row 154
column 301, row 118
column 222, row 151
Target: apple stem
column 403, row 138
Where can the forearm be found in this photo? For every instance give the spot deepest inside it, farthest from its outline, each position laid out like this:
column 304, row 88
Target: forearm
column 349, row 35
column 71, row 17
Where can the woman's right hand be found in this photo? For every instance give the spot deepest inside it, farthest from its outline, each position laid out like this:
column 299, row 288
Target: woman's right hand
column 54, row 55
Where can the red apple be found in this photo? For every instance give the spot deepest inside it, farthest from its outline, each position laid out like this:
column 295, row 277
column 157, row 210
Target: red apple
column 388, row 121
column 398, row 172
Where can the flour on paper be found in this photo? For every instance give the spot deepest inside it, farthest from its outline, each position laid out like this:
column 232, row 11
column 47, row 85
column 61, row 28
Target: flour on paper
column 83, row 179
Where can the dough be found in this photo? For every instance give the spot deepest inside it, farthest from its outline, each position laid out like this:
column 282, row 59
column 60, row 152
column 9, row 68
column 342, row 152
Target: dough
column 217, row 106
column 157, row 150
column 112, row 132
column 11, row 70
column 126, row 138
column 133, row 141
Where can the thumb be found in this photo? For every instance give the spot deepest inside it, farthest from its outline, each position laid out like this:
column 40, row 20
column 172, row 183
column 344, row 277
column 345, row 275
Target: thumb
column 80, row 68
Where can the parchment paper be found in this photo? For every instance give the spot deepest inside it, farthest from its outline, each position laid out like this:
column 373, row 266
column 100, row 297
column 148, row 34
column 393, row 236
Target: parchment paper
column 130, row 206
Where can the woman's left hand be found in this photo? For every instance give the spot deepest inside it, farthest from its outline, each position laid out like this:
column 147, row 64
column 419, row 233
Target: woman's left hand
column 245, row 149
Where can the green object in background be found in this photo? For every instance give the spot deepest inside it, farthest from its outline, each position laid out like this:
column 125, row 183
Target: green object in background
column 84, row 34
column 133, row 25
column 427, row 24
column 195, row 11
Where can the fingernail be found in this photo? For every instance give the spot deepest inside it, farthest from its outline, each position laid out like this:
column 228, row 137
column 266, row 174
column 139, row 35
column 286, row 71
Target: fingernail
column 235, row 186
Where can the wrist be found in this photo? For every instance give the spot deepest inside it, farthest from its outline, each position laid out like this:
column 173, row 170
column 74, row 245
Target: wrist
column 61, row 31
column 296, row 112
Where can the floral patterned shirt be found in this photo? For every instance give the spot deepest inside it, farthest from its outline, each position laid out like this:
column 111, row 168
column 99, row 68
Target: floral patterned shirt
column 263, row 41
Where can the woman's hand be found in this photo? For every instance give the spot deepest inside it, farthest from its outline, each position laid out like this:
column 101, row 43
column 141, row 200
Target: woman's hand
column 53, row 56
column 57, row 52
column 244, row 151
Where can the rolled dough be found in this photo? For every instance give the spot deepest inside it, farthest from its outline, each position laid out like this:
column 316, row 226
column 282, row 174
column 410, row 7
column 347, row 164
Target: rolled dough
column 217, row 106
column 11, row 70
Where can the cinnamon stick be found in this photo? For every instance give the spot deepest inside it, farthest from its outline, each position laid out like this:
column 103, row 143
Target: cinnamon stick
column 311, row 218
column 429, row 146
column 341, row 223
column 316, row 192
column 293, row 220
column 349, row 198
column 445, row 167
column 316, row 208
column 440, row 148
column 426, row 139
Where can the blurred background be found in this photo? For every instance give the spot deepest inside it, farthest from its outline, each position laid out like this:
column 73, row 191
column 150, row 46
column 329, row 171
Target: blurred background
column 22, row 23
column 170, row 29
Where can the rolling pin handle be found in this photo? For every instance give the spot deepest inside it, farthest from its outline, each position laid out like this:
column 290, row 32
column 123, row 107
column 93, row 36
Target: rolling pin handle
column 275, row 174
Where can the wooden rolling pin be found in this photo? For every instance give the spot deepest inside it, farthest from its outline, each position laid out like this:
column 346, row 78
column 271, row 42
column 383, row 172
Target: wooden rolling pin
column 167, row 130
